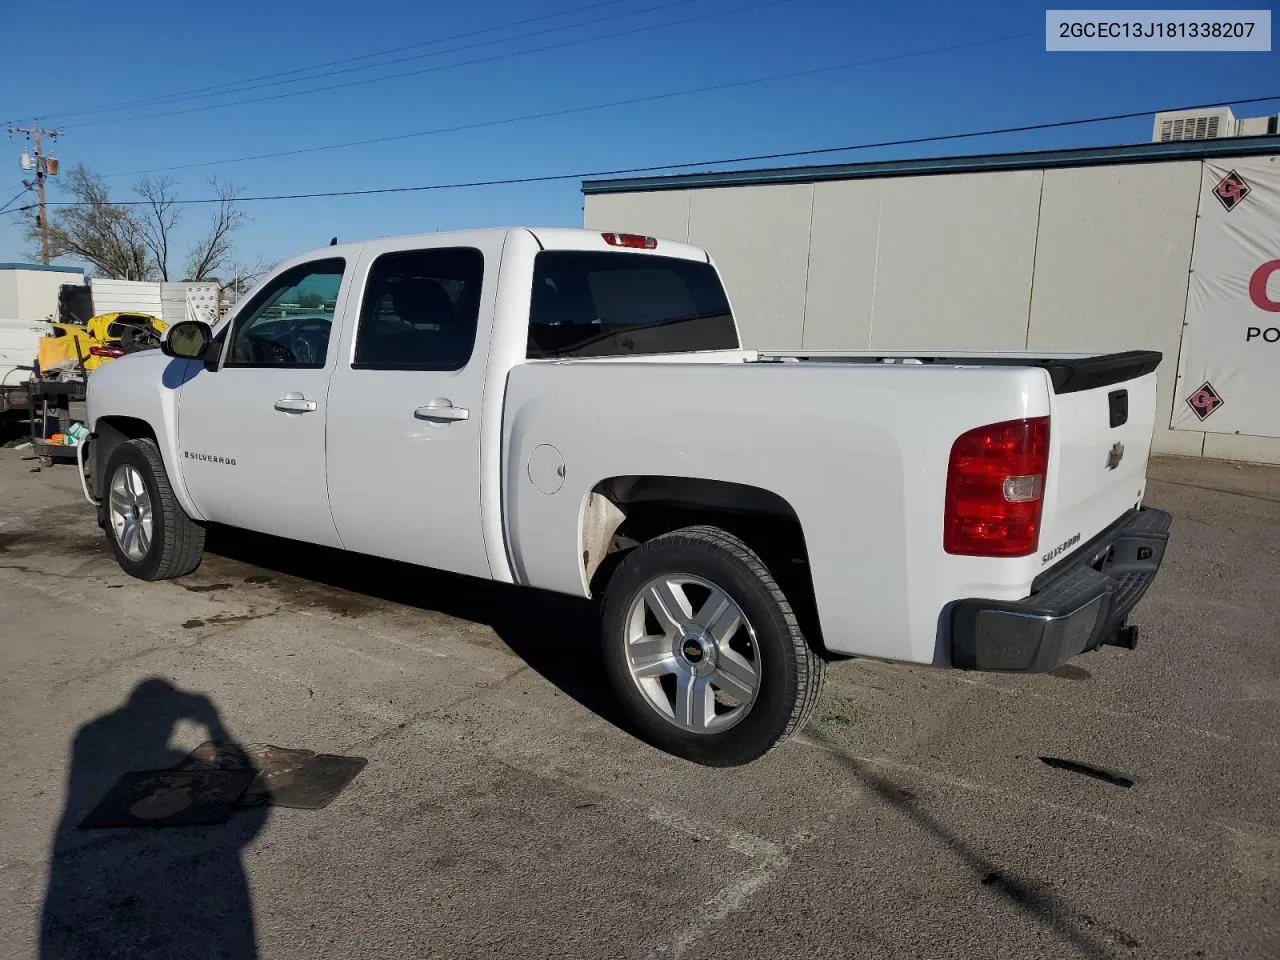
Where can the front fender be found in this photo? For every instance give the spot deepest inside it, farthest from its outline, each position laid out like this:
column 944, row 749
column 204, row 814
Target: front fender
column 141, row 389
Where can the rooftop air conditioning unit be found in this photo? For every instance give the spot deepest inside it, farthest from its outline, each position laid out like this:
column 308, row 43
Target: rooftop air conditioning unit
column 1194, row 125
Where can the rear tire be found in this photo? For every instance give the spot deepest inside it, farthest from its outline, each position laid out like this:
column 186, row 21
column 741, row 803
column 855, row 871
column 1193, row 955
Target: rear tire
column 150, row 534
column 724, row 676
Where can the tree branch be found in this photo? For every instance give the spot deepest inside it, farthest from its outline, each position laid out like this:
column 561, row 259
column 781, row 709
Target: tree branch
column 212, row 254
column 159, row 216
column 97, row 231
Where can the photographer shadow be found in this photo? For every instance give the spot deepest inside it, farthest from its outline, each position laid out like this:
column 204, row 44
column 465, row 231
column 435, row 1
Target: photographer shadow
column 144, row 892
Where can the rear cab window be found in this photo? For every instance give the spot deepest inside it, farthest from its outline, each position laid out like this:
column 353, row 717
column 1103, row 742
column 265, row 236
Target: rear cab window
column 602, row 304
column 420, row 310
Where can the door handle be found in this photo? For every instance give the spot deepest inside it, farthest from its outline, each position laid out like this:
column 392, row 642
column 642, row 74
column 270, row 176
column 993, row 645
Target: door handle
column 295, row 403
column 441, row 411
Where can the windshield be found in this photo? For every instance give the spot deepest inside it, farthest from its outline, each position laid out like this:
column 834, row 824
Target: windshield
column 624, row 304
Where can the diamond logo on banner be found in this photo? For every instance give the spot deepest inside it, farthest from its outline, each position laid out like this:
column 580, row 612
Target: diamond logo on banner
column 1205, row 401
column 1231, row 191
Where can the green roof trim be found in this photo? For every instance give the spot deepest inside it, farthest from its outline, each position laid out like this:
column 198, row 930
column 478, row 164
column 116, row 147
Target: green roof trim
column 975, row 163
column 47, row 267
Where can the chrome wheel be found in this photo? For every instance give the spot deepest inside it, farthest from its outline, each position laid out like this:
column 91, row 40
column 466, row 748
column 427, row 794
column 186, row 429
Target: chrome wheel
column 692, row 653
column 130, row 509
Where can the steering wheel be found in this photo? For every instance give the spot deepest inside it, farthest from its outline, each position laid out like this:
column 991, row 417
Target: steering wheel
column 265, row 350
column 309, row 339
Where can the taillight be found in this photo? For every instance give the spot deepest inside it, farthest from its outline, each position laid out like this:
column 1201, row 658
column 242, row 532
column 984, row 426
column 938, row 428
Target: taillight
column 109, row 352
column 995, row 489
column 633, row 240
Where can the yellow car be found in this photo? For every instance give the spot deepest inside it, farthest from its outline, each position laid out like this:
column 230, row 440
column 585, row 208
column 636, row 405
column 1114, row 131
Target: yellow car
column 101, row 339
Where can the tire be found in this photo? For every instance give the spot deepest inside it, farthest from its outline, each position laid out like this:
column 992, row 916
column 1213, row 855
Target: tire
column 651, row 659
column 174, row 544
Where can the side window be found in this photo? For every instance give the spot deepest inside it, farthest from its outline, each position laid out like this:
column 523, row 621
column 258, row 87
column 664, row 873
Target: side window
column 420, row 310
column 288, row 323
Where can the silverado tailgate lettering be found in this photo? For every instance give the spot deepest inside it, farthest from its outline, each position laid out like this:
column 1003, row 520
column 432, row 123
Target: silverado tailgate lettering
column 1060, row 549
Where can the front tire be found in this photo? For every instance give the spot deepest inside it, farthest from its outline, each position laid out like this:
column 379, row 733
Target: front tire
column 150, row 534
column 704, row 650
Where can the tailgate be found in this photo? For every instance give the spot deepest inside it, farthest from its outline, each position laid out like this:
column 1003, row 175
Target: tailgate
column 1100, row 438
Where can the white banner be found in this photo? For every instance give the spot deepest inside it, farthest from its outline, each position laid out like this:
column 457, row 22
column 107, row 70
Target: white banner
column 1229, row 372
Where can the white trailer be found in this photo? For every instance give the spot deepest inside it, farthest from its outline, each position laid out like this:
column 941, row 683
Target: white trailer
column 28, row 300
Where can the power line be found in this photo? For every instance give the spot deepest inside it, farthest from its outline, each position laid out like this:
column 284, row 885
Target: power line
column 584, row 175
column 179, row 94
column 478, row 44
column 434, row 69
column 567, row 111
column 16, row 196
column 290, row 76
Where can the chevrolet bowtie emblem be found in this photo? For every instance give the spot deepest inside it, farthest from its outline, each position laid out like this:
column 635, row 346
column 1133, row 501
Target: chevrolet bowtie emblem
column 1115, row 456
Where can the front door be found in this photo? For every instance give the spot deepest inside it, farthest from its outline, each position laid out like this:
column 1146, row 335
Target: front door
column 406, row 401
column 252, row 433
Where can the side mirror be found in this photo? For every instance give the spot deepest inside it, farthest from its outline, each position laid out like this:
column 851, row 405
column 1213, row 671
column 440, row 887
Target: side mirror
column 187, row 340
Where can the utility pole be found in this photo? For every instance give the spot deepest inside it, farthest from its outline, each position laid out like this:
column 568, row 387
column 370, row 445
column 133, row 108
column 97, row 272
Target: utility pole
column 44, row 166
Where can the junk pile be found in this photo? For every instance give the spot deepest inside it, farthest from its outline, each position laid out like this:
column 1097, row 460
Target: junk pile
column 73, row 349
column 70, row 437
column 65, row 358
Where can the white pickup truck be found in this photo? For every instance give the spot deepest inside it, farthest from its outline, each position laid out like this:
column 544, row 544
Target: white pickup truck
column 573, row 411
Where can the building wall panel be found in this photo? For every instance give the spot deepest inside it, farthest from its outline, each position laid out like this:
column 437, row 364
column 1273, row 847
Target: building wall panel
column 842, row 265
column 1226, row 446
column 759, row 238
column 954, row 263
column 1111, row 266
column 9, row 296
column 664, row 214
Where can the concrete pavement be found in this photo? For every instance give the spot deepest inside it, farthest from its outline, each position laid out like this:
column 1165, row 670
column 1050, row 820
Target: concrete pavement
column 507, row 811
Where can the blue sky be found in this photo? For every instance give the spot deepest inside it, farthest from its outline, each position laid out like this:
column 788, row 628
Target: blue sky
column 164, row 48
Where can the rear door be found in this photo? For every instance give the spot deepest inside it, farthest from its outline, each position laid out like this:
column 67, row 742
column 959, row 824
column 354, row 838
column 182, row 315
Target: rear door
column 406, row 400
column 1101, row 437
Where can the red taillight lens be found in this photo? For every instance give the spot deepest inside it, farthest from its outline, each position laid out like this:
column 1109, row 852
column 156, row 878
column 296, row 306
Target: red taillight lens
column 633, row 240
column 995, row 489
column 110, row 352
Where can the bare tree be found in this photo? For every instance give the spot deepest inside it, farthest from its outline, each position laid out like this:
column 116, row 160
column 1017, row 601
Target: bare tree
column 134, row 240
column 212, row 255
column 97, row 231
column 157, row 217
column 240, row 276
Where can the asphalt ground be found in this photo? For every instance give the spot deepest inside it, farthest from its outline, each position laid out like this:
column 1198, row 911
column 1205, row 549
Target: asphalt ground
column 508, row 811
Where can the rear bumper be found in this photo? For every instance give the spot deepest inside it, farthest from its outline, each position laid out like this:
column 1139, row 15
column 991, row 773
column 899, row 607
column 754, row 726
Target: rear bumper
column 1079, row 605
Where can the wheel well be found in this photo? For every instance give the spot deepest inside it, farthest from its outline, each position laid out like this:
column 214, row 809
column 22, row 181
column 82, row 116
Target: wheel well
column 623, row 512
column 109, row 433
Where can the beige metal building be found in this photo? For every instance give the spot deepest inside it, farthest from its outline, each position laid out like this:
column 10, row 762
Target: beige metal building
column 1059, row 251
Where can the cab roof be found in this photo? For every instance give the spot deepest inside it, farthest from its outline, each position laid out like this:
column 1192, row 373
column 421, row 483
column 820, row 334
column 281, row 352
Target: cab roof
column 550, row 238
